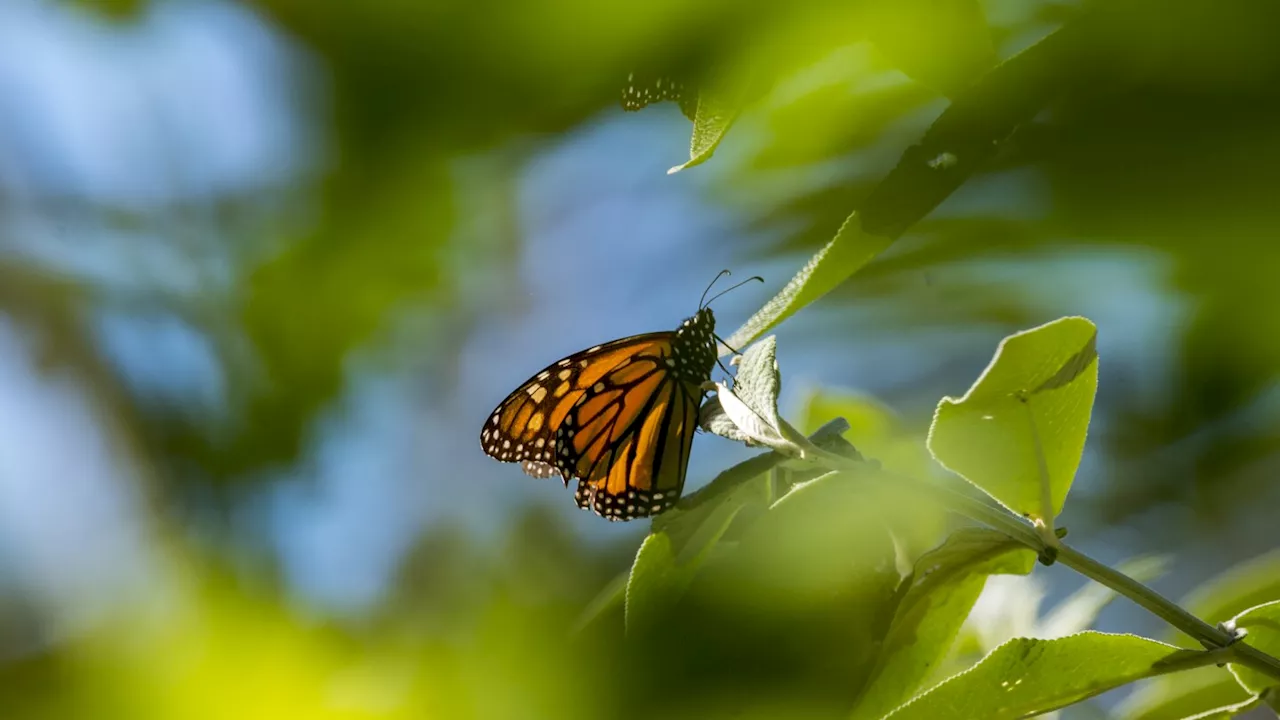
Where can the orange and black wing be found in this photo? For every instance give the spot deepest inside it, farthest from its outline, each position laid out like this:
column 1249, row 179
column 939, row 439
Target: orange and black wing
column 523, row 428
column 629, row 445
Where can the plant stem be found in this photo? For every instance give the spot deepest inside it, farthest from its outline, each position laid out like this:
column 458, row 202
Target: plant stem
column 1208, row 635
column 1158, row 604
column 1234, row 649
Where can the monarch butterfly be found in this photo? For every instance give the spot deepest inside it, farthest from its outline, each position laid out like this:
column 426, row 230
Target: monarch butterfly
column 618, row 417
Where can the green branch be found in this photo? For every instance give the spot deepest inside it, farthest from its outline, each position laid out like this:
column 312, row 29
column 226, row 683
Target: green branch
column 1215, row 639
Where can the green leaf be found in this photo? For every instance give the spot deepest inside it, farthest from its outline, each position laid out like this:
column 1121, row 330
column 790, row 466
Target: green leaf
column 944, row 44
column 1262, row 623
column 1019, row 432
column 681, row 541
column 1026, row 677
column 662, row 572
column 963, row 138
column 713, row 418
column 881, row 436
column 717, row 110
column 749, row 425
column 935, row 601
column 842, row 513
column 758, row 381
column 1186, row 694
column 847, row 253
column 1245, row 585
column 748, row 412
column 654, row 581
column 969, row 133
column 610, row 596
column 874, row 428
column 745, row 472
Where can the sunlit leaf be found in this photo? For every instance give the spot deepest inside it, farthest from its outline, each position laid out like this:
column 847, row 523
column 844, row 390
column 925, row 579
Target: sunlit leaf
column 1018, row 433
column 715, row 115
column 749, row 425
column 748, row 411
column 1262, row 625
column 1025, row 677
column 934, row 603
column 847, row 252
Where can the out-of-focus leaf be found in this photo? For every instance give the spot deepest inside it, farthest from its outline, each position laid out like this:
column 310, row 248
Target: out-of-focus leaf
column 1018, row 433
column 1227, row 712
column 729, row 481
column 934, row 603
column 847, row 252
column 969, row 132
column 1247, row 584
column 611, row 596
column 944, row 44
column 115, row 9
column 1262, row 623
column 662, row 572
column 654, row 582
column 1077, row 612
column 964, row 137
column 1025, row 677
column 1173, row 697
column 881, row 437
column 818, row 571
column 874, row 429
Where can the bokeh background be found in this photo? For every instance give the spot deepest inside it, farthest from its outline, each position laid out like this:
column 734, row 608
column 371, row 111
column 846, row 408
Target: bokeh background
column 265, row 268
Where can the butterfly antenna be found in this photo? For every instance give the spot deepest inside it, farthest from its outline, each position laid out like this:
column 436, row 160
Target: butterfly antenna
column 733, row 287
column 701, row 301
column 721, row 364
column 732, row 349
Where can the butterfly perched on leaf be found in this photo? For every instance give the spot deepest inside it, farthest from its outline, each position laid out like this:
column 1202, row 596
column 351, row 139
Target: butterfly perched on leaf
column 618, row 417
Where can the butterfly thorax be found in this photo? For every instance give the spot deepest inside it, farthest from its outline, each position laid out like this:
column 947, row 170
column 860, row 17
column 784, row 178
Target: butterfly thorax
column 693, row 351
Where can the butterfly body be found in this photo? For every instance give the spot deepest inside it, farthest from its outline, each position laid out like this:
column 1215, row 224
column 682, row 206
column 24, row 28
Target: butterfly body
column 619, row 418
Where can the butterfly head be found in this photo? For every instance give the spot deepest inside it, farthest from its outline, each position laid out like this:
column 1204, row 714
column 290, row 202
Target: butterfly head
column 694, row 348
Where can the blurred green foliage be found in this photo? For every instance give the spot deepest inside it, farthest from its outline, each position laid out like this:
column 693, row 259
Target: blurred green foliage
column 1138, row 128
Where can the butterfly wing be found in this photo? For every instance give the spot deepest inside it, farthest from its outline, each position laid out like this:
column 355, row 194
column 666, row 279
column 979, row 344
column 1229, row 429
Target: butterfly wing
column 523, row 427
column 618, row 417
column 630, row 446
